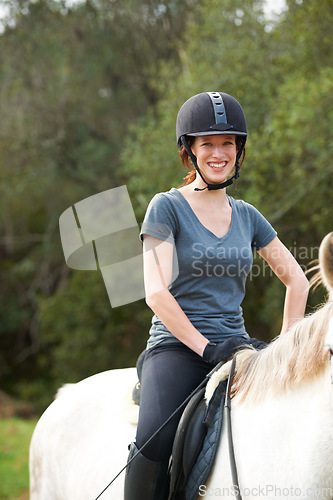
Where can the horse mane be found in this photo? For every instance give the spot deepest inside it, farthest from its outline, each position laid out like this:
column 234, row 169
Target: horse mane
column 286, row 361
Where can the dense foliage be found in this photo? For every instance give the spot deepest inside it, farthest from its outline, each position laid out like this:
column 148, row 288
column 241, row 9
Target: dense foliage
column 89, row 96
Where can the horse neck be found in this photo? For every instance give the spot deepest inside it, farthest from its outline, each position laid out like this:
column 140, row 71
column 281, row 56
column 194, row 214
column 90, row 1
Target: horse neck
column 315, row 391
column 286, row 437
column 309, row 403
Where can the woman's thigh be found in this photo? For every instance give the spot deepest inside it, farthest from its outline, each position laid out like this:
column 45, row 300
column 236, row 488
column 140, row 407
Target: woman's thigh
column 170, row 373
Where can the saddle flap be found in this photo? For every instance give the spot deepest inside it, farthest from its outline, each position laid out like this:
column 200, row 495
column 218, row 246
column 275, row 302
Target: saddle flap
column 192, row 418
column 194, row 437
column 195, row 444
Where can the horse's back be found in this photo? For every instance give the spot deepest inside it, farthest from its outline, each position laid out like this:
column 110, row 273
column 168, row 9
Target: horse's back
column 87, row 419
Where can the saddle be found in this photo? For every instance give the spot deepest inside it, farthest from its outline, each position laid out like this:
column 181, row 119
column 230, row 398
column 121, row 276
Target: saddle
column 196, row 440
column 195, row 444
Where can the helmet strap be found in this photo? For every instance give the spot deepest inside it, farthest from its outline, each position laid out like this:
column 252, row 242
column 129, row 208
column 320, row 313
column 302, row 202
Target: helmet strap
column 210, row 187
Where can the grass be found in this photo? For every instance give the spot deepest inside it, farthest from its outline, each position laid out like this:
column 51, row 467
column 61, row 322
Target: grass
column 15, row 435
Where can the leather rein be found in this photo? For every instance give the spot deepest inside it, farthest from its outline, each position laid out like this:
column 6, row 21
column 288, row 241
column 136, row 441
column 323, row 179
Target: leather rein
column 227, row 405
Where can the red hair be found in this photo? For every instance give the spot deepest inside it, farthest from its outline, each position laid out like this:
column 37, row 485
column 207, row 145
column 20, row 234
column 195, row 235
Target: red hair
column 187, row 163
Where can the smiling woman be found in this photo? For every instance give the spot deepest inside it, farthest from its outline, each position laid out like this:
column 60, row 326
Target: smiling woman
column 198, row 319
column 194, row 120
column 186, row 161
column 216, row 157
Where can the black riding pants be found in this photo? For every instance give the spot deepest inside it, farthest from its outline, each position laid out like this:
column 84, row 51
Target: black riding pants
column 170, row 373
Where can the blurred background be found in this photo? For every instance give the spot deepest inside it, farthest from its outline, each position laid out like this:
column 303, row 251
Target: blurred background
column 89, row 92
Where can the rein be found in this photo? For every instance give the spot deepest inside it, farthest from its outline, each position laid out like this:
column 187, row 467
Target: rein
column 227, row 406
column 182, row 405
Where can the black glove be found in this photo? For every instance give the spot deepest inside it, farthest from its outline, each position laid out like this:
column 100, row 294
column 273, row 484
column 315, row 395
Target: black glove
column 258, row 344
column 214, row 353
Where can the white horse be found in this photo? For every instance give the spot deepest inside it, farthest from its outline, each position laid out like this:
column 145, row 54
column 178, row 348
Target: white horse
column 282, row 422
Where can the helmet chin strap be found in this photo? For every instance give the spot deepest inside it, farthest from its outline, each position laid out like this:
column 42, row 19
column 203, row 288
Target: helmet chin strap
column 210, row 187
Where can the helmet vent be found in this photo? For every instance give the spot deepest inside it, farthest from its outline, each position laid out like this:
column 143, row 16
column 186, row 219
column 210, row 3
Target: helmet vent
column 218, row 106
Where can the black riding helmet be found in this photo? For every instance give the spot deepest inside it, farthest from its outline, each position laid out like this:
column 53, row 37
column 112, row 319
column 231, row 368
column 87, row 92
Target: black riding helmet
column 211, row 113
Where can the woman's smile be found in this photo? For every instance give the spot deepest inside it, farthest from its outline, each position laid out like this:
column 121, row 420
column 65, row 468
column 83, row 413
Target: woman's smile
column 216, row 156
column 218, row 166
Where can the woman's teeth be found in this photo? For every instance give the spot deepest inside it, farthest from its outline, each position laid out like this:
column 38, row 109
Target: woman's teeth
column 218, row 166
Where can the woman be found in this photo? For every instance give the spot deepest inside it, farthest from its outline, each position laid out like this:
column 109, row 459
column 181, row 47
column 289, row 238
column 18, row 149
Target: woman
column 198, row 245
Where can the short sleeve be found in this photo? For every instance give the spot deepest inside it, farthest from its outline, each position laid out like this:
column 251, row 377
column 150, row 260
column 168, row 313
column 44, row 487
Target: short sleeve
column 160, row 220
column 263, row 232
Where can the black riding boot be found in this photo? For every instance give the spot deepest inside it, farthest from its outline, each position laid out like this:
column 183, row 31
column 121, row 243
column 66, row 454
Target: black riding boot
column 145, row 479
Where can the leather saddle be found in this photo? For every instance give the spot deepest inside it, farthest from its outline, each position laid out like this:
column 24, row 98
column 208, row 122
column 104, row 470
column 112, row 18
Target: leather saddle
column 189, row 438
column 195, row 444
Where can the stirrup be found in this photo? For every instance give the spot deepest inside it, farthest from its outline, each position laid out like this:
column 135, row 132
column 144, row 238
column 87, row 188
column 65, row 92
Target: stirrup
column 145, row 479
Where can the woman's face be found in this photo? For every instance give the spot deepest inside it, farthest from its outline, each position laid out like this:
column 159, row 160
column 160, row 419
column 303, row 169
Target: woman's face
column 216, row 156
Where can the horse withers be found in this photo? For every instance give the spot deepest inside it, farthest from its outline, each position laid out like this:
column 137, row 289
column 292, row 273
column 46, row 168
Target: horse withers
column 282, row 422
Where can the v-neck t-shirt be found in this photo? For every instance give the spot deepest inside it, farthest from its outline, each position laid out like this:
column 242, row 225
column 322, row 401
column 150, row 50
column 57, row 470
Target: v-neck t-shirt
column 209, row 273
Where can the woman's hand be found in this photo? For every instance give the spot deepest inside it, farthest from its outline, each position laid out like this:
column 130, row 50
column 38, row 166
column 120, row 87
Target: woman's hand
column 222, row 351
column 214, row 353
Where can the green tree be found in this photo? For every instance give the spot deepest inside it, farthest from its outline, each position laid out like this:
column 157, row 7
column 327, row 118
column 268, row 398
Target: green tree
column 293, row 163
column 72, row 81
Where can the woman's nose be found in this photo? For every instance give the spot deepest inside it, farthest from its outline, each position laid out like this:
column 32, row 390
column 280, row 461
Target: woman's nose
column 217, row 152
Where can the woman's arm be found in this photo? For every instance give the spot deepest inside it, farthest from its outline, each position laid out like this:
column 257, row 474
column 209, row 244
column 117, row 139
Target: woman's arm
column 158, row 264
column 290, row 273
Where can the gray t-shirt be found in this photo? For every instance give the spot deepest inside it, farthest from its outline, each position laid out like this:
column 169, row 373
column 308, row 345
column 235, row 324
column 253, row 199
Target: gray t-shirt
column 212, row 271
